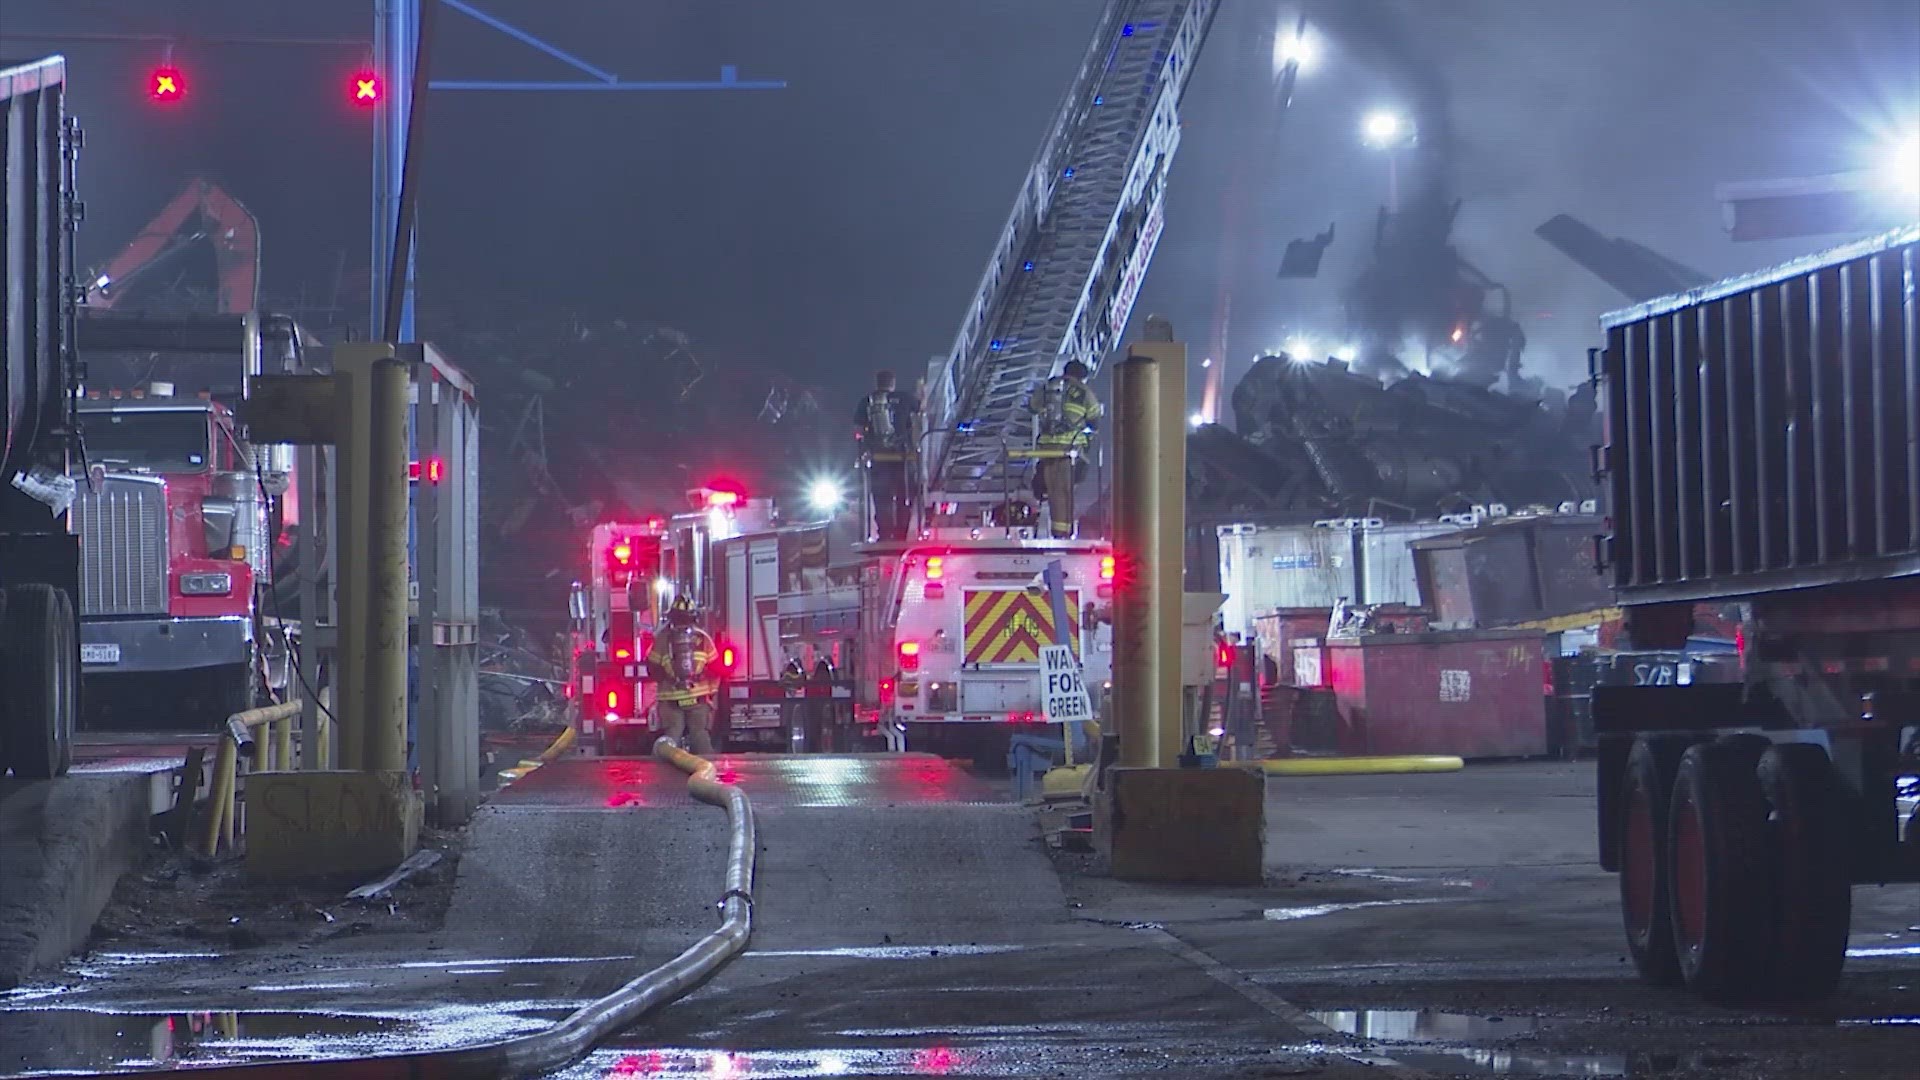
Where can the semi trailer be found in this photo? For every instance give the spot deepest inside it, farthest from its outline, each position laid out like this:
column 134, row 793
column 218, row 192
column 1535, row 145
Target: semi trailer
column 1762, row 449
column 39, row 381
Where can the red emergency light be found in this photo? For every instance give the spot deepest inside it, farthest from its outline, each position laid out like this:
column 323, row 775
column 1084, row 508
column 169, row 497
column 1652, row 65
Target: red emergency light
column 909, row 656
column 726, row 658
column 1106, row 568
column 367, row 89
column 433, row 469
column 1223, row 653
column 166, row 85
column 622, row 552
column 723, row 498
column 936, row 568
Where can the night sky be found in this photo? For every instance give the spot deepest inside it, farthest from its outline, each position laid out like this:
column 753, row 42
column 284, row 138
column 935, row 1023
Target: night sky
column 840, row 224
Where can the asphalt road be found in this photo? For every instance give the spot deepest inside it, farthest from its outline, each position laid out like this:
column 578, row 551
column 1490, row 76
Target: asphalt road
column 909, row 923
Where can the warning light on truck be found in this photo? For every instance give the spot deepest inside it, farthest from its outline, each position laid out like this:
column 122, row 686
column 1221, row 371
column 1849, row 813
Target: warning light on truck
column 909, row 656
column 166, row 85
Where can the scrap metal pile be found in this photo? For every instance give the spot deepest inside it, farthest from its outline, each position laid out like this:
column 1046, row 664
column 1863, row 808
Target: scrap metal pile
column 1319, row 440
column 590, row 421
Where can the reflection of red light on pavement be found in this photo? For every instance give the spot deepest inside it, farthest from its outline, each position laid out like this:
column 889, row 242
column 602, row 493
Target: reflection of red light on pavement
column 637, row 1065
column 935, row 1060
column 625, row 798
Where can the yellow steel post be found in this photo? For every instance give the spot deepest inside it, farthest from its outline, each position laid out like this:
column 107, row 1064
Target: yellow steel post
column 1149, row 509
column 221, row 795
column 384, row 678
column 352, row 369
column 1136, row 499
column 1170, row 544
column 283, row 744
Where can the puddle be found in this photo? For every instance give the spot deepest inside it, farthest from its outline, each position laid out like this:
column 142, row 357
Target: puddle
column 1430, row 1040
column 55, row 1038
column 1407, row 1025
column 1313, row 911
column 64, row 1038
column 1371, row 874
column 719, row 1064
column 894, row 952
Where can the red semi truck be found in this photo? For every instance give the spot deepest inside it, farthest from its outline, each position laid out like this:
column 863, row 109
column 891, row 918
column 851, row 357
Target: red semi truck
column 181, row 518
column 1762, row 448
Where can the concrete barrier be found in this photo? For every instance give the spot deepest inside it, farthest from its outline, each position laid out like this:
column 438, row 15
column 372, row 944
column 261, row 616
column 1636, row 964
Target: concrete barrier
column 1186, row 826
column 63, row 846
column 314, row 826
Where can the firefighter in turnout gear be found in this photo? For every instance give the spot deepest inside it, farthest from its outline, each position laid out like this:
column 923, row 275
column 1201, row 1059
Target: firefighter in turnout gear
column 884, row 427
column 1067, row 413
column 682, row 660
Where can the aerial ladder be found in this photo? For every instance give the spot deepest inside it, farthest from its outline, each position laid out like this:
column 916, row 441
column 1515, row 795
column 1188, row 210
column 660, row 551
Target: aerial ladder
column 1061, row 283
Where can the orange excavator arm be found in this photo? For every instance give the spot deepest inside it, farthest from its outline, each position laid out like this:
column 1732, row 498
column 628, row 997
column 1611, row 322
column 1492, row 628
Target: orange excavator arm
column 202, row 211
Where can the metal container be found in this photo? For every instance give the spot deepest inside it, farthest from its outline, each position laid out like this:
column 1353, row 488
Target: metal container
column 1277, row 568
column 1760, row 431
column 1474, row 694
column 1512, row 570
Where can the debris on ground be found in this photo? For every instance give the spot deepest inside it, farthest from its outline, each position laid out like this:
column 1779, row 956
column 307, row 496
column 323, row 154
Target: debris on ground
column 180, row 899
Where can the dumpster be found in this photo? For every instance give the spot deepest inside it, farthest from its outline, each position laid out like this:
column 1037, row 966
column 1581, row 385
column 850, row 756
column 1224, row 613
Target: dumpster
column 1471, row 694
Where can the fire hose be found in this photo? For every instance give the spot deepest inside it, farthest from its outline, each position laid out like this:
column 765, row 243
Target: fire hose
column 597, row 1021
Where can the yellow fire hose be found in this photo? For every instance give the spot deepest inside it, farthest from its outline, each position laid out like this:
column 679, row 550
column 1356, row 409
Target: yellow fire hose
column 593, row 1023
column 1351, row 766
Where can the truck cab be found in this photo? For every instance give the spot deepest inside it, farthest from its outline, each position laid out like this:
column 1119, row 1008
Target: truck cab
column 173, row 526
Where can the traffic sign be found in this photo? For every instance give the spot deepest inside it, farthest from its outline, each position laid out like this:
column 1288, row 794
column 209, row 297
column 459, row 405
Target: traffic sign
column 1063, row 695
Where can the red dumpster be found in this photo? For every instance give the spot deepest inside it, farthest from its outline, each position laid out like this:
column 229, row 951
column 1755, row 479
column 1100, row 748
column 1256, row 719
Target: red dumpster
column 1469, row 693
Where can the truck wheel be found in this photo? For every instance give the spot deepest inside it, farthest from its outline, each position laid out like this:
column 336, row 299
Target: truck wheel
column 1645, row 904
column 1814, row 905
column 1721, row 875
column 40, row 643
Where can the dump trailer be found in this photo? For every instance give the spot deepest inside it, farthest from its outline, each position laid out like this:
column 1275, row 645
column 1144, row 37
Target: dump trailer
column 1762, row 447
column 39, row 556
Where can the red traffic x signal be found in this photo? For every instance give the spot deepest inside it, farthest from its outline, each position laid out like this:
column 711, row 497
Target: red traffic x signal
column 367, row 89
column 166, row 85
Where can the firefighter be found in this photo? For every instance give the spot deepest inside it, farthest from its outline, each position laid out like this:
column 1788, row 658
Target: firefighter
column 682, row 660
column 883, row 427
column 1067, row 413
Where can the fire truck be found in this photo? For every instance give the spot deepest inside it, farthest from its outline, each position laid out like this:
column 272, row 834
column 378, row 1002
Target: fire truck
column 180, row 519
column 953, row 624
column 613, row 615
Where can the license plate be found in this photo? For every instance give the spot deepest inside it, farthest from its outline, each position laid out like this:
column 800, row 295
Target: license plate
column 99, row 654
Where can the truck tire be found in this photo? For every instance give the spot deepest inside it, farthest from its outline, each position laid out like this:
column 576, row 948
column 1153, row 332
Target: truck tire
column 40, row 680
column 1814, row 890
column 1721, row 873
column 1645, row 904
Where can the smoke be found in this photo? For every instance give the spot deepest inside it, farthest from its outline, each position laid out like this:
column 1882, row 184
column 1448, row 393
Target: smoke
column 1417, row 304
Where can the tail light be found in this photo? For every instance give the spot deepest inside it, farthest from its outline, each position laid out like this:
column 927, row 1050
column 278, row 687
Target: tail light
column 1223, row 655
column 613, row 701
column 936, row 568
column 886, row 691
column 909, row 656
column 1106, row 568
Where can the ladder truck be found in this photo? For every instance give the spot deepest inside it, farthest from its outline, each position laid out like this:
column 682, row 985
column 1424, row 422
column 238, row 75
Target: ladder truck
column 955, row 666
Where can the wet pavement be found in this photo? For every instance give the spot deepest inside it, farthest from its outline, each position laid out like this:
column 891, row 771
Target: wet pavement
column 909, row 924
